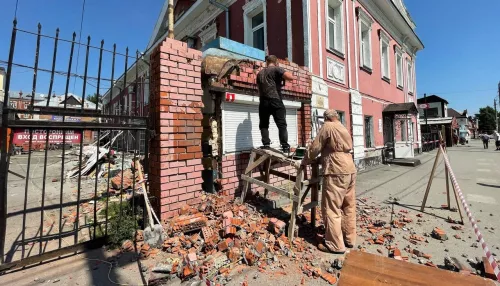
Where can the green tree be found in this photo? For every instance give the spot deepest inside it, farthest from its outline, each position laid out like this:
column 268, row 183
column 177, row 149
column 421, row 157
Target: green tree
column 94, row 98
column 487, row 119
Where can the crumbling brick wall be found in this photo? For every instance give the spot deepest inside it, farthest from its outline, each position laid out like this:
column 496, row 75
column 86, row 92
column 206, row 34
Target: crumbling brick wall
column 243, row 80
column 175, row 115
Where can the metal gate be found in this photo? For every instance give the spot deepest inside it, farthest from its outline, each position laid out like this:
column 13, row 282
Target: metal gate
column 68, row 168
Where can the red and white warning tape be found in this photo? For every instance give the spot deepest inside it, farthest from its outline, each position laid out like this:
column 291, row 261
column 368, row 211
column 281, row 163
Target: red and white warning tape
column 479, row 236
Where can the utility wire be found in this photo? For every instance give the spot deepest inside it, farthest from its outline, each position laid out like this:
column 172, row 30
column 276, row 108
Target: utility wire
column 79, row 42
column 15, row 11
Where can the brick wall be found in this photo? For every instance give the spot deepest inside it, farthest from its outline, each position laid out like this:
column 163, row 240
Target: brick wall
column 243, row 80
column 175, row 114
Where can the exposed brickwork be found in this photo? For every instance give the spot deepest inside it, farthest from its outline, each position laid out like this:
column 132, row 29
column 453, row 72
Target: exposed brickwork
column 175, row 114
column 244, row 79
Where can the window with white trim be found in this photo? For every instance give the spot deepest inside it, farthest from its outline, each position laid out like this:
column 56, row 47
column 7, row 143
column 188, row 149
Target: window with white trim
column 409, row 77
column 365, row 39
column 384, row 55
column 399, row 67
column 13, row 104
column 255, row 24
column 334, row 27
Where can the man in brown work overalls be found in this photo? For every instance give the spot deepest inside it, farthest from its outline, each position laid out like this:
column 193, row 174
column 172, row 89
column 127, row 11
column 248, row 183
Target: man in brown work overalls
column 338, row 201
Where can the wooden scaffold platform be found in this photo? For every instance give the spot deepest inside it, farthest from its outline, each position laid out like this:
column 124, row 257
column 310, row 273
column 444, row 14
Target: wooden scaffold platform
column 267, row 160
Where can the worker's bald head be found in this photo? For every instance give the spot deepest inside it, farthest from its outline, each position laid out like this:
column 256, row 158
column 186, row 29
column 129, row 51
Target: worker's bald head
column 331, row 115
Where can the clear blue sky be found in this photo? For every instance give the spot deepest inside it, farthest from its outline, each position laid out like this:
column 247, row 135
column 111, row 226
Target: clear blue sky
column 128, row 23
column 460, row 60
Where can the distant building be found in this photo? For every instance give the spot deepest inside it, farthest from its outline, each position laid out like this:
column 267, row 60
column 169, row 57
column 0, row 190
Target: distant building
column 435, row 117
column 51, row 105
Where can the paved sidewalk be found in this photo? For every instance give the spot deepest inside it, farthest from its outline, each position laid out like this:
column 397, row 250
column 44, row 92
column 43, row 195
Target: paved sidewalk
column 475, row 168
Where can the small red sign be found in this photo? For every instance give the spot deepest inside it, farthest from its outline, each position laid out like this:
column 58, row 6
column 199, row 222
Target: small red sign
column 22, row 136
column 230, row 97
column 423, row 106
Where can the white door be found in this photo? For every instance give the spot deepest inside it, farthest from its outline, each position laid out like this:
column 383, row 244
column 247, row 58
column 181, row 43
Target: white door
column 403, row 146
column 240, row 129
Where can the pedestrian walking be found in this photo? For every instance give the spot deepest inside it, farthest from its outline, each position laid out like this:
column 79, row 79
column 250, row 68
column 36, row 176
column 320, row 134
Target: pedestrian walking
column 338, row 203
column 486, row 139
column 496, row 137
column 269, row 81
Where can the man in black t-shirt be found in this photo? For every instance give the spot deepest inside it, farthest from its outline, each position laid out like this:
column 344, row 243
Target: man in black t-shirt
column 269, row 82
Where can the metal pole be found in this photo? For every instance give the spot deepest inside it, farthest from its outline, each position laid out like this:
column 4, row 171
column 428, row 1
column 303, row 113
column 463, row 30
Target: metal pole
column 496, row 114
column 498, row 125
column 425, row 110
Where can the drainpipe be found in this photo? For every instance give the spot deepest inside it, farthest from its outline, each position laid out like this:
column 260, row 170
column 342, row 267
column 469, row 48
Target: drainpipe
column 170, row 19
column 226, row 9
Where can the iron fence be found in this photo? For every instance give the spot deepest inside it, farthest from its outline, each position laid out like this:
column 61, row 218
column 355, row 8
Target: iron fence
column 53, row 185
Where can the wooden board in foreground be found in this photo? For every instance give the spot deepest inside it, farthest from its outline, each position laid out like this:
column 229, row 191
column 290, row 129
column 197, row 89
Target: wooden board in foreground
column 362, row 268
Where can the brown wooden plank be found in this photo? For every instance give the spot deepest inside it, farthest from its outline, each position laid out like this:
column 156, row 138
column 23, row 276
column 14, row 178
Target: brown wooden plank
column 366, row 269
column 283, row 175
column 256, row 163
column 282, row 192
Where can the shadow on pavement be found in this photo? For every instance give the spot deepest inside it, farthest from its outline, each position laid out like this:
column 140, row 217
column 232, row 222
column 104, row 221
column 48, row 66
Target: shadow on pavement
column 488, row 185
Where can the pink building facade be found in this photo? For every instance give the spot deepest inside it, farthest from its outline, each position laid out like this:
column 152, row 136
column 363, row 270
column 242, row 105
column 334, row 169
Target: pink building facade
column 361, row 54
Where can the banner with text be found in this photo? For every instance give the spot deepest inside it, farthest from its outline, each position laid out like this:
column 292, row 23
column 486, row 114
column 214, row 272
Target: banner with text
column 22, row 136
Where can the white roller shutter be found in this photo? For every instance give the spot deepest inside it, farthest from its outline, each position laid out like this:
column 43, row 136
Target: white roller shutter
column 240, row 127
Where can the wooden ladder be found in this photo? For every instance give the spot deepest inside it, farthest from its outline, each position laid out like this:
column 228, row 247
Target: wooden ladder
column 269, row 159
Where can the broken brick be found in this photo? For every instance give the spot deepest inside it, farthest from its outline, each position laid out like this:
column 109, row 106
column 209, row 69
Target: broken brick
column 222, row 246
column 228, row 214
column 260, row 246
column 329, row 278
column 234, row 254
column 439, row 234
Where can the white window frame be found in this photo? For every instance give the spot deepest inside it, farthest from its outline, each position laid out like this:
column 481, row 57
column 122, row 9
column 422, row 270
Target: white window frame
column 338, row 22
column 398, row 54
column 384, row 45
column 13, row 104
column 409, row 77
column 250, row 10
column 365, row 23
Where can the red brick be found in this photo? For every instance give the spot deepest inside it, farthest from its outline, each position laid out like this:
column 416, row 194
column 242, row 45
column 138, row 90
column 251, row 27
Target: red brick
column 178, row 71
column 193, row 162
column 168, row 186
column 186, row 156
column 194, row 175
column 177, row 83
column 186, row 78
column 186, row 169
column 193, row 188
column 177, row 177
column 186, row 196
column 177, row 191
column 177, row 164
column 186, row 91
column 178, row 96
column 178, row 59
column 193, row 149
column 194, row 85
column 187, row 67
column 193, row 74
column 185, row 183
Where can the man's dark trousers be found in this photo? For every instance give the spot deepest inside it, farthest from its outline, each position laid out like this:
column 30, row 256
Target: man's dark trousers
column 276, row 108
